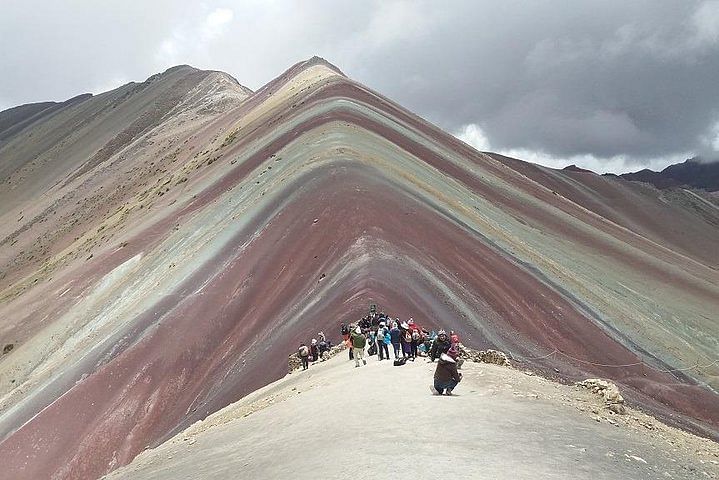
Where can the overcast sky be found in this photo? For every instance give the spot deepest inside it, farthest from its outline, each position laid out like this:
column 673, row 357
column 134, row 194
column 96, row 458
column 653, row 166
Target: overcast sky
column 608, row 85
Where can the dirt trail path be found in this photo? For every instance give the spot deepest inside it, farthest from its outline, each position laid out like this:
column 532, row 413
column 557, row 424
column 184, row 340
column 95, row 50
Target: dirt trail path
column 337, row 421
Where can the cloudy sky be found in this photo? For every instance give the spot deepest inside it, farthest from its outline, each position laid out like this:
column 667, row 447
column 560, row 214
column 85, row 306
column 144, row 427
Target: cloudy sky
column 608, row 85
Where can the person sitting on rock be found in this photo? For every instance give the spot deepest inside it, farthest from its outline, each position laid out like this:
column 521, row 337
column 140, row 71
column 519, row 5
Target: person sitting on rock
column 440, row 345
column 358, row 343
column 304, row 354
column 446, row 376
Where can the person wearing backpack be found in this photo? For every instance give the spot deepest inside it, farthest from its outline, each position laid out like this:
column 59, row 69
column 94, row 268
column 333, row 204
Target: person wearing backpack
column 358, row 343
column 406, row 340
column 382, row 347
column 395, row 335
column 304, row 353
column 416, row 340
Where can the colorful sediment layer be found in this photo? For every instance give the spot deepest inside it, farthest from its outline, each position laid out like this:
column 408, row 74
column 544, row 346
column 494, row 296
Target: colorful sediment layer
column 165, row 245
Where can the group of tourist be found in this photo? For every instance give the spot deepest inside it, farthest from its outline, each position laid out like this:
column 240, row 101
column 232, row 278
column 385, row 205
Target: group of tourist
column 375, row 332
column 314, row 351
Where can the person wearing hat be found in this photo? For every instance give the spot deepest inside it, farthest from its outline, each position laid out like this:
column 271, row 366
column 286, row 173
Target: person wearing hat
column 440, row 345
column 358, row 343
column 446, row 376
column 382, row 347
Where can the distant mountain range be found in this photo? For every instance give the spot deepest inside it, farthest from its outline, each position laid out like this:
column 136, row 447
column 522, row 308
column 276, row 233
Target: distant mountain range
column 691, row 173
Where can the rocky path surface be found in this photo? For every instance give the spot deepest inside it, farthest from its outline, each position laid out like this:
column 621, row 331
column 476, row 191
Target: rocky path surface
column 380, row 421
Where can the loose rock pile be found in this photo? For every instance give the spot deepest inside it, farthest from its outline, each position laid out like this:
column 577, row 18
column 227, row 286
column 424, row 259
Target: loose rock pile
column 484, row 356
column 613, row 400
column 294, row 362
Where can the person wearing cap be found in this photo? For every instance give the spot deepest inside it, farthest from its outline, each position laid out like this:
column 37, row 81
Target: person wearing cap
column 382, row 347
column 358, row 343
column 446, row 376
column 440, row 345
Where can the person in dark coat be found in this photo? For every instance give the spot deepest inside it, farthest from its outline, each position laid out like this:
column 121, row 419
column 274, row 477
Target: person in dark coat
column 446, row 376
column 440, row 345
column 406, row 340
column 314, row 351
column 395, row 336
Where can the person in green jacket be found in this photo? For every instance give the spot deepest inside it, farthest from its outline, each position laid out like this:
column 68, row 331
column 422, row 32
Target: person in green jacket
column 358, row 343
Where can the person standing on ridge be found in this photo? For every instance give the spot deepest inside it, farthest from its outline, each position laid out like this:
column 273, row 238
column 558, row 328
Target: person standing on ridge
column 358, row 343
column 395, row 336
column 345, row 330
column 382, row 347
column 314, row 351
column 304, row 354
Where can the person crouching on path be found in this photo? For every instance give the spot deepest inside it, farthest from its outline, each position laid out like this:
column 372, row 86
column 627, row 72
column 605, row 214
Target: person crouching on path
column 446, row 376
column 304, row 354
column 358, row 343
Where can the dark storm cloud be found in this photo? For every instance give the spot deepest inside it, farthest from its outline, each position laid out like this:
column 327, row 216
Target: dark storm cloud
column 616, row 84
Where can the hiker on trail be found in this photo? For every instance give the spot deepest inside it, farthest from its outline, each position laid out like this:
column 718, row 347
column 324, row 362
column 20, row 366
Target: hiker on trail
column 304, row 354
column 406, row 340
column 446, row 376
column 416, row 337
column 322, row 347
column 314, row 351
column 346, row 337
column 321, row 337
column 382, row 341
column 395, row 335
column 358, row 343
column 440, row 345
column 372, row 342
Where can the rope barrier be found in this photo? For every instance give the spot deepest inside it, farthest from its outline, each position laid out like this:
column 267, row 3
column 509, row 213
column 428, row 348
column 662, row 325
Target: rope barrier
column 605, row 365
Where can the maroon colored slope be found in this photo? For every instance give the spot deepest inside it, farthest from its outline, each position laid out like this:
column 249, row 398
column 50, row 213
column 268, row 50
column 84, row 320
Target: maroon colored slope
column 226, row 328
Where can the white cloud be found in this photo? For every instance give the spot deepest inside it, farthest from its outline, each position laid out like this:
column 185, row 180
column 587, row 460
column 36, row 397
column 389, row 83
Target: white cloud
column 705, row 22
column 473, row 135
column 215, row 24
column 192, row 40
